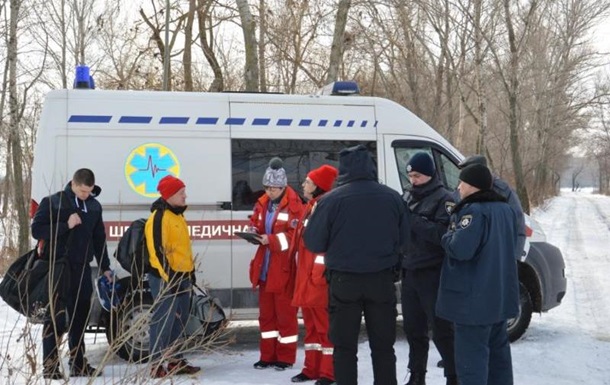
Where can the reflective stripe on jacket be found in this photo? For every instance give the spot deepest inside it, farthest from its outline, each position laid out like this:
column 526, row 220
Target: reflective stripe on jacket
column 307, row 269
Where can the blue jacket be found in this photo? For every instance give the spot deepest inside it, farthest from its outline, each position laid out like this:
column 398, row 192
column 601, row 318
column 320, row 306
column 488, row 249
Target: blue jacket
column 429, row 207
column 50, row 224
column 479, row 283
column 361, row 225
column 502, row 188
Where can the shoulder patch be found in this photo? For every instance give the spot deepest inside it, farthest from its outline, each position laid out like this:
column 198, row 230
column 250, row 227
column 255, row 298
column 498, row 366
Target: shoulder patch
column 294, row 223
column 449, row 207
column 465, row 221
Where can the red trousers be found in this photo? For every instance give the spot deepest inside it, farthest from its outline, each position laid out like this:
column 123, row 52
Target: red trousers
column 279, row 327
column 318, row 349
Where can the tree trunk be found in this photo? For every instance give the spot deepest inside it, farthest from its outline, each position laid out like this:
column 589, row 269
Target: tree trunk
column 513, row 88
column 480, row 88
column 14, row 139
column 203, row 8
column 249, row 29
column 262, row 32
column 188, row 44
column 336, row 51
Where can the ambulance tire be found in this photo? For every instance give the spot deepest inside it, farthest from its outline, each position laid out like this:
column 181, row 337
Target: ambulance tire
column 128, row 335
column 518, row 325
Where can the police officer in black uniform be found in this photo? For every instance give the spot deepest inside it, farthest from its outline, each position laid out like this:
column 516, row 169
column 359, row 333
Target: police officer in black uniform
column 361, row 226
column 429, row 205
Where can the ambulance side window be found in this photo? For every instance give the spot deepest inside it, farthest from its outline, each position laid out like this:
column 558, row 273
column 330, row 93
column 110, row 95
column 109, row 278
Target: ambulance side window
column 250, row 158
column 445, row 166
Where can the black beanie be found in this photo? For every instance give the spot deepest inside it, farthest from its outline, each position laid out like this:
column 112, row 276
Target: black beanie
column 421, row 163
column 477, row 176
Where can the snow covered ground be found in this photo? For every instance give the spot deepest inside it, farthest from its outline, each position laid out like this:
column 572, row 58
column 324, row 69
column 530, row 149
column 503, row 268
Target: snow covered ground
column 569, row 345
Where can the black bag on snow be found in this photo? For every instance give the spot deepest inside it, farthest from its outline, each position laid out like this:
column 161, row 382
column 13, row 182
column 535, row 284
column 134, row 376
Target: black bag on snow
column 206, row 315
column 31, row 281
column 131, row 252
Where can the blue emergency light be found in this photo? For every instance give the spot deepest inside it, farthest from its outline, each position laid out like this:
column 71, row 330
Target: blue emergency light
column 83, row 79
column 340, row 88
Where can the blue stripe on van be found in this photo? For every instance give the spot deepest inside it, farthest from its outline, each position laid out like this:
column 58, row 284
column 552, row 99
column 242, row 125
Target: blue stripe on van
column 211, row 121
column 235, row 121
column 207, row 120
column 135, row 119
column 173, row 120
column 89, row 118
column 261, row 122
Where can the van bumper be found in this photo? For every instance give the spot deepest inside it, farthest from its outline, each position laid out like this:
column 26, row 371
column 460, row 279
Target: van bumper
column 549, row 265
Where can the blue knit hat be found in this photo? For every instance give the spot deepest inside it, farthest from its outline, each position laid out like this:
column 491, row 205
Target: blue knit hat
column 421, row 163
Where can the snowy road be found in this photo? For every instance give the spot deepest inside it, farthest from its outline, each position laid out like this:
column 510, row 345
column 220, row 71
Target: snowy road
column 570, row 345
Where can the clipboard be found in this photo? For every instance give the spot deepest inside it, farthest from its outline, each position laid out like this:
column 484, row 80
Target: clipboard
column 250, row 237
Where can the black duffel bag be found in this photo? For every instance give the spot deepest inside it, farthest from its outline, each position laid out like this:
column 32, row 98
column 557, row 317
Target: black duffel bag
column 27, row 283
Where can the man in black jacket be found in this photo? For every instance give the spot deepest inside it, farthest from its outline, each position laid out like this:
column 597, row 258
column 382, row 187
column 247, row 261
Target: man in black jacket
column 68, row 224
column 429, row 206
column 361, row 226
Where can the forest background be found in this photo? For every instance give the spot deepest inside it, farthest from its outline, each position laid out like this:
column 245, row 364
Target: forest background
column 522, row 81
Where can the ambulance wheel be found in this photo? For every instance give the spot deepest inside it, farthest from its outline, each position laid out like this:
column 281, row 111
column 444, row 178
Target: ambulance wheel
column 128, row 334
column 518, row 325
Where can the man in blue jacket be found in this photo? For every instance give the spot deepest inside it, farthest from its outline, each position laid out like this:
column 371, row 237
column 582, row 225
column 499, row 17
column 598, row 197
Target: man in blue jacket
column 479, row 288
column 361, row 226
column 501, row 187
column 69, row 224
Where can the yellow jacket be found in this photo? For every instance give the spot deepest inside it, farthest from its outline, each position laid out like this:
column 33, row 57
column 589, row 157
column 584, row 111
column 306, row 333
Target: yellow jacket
column 168, row 240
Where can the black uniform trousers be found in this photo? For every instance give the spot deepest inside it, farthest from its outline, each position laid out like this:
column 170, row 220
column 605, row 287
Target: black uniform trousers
column 351, row 295
column 78, row 306
column 418, row 298
column 483, row 354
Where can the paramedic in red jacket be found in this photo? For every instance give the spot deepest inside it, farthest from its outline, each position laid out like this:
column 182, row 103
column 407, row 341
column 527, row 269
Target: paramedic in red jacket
column 311, row 288
column 275, row 219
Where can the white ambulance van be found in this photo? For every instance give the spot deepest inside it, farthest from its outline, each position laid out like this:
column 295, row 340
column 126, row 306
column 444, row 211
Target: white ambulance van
column 219, row 144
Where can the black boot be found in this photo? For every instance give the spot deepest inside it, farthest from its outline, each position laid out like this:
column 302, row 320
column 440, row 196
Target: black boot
column 82, row 370
column 52, row 371
column 452, row 380
column 417, row 378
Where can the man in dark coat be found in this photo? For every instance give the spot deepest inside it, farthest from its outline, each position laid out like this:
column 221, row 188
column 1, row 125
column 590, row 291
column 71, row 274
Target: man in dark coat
column 479, row 289
column 361, row 226
column 69, row 224
column 429, row 205
column 501, row 187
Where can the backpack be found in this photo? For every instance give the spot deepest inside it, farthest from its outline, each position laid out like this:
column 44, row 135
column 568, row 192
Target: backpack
column 131, row 252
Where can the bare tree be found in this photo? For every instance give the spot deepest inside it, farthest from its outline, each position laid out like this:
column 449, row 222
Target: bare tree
column 249, row 30
column 188, row 43
column 206, row 40
column 336, row 50
column 14, row 138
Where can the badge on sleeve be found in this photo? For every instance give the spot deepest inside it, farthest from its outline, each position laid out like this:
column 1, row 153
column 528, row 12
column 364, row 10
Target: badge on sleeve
column 449, row 207
column 294, row 223
column 465, row 221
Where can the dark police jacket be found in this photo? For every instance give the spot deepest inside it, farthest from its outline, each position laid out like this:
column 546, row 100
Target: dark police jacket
column 361, row 225
column 429, row 207
column 50, row 224
column 479, row 283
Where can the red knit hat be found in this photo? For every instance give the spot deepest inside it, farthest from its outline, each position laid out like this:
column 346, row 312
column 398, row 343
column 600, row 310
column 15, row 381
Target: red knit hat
column 323, row 176
column 168, row 186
